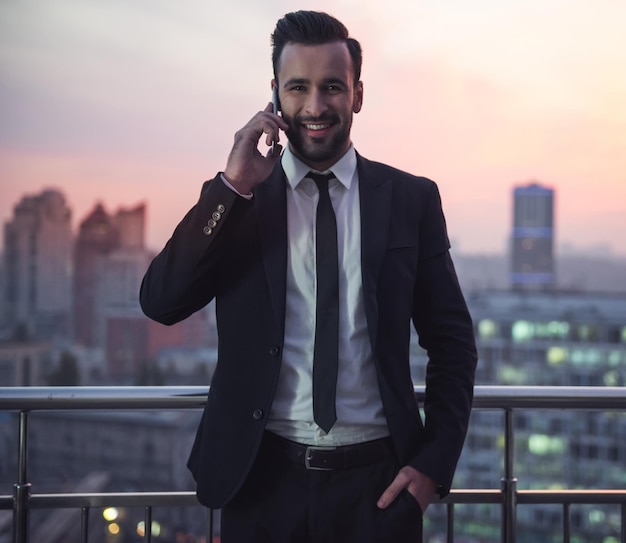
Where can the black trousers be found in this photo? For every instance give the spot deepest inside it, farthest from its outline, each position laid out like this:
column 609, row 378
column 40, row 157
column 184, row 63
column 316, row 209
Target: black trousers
column 283, row 502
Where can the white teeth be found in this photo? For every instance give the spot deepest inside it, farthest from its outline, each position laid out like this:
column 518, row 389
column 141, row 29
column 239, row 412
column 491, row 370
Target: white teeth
column 316, row 126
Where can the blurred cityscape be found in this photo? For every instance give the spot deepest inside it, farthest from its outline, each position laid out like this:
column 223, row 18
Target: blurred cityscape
column 69, row 315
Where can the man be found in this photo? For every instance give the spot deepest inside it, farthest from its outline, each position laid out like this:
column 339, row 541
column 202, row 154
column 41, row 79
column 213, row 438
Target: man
column 311, row 430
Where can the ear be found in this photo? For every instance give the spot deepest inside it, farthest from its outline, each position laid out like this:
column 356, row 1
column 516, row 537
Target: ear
column 358, row 97
column 273, row 84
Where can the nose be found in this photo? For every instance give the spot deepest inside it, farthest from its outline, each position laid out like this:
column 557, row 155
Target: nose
column 315, row 103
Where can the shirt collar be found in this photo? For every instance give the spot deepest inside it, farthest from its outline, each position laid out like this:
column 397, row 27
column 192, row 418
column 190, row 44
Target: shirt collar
column 296, row 170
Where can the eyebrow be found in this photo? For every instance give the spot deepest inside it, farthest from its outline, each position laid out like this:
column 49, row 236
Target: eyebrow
column 295, row 81
column 304, row 81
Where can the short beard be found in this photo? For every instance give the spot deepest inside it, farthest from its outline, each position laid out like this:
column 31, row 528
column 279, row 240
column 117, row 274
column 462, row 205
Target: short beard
column 316, row 152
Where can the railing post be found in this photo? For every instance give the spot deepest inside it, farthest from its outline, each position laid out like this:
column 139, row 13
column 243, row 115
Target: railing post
column 508, row 483
column 210, row 526
column 84, row 525
column 148, row 525
column 566, row 522
column 450, row 524
column 21, row 490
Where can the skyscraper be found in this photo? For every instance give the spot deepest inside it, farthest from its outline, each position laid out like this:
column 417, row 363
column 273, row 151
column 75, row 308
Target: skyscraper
column 37, row 287
column 110, row 260
column 103, row 242
column 131, row 224
column 532, row 246
column 97, row 237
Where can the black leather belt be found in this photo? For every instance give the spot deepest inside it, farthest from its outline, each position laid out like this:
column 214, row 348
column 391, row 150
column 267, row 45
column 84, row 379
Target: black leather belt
column 329, row 458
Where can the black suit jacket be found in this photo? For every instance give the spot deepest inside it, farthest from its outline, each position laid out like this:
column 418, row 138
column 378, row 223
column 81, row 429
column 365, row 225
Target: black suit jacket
column 240, row 259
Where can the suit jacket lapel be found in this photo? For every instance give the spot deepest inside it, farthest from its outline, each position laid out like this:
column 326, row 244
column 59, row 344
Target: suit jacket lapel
column 271, row 208
column 375, row 200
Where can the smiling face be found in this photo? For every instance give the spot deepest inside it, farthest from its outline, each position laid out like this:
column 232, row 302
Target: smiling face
column 318, row 97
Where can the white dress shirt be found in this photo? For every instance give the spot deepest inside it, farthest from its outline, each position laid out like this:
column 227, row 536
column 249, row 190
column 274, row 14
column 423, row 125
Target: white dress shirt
column 359, row 408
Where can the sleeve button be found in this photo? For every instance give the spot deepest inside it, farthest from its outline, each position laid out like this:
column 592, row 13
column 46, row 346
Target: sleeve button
column 207, row 230
column 221, row 208
column 257, row 414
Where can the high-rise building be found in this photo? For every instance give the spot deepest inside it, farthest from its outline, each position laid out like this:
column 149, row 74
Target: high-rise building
column 121, row 327
column 131, row 225
column 37, row 293
column 532, row 246
column 97, row 237
column 551, row 339
column 110, row 260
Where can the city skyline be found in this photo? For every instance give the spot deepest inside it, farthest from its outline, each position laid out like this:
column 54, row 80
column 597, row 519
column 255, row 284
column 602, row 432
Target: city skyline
column 126, row 104
column 565, row 248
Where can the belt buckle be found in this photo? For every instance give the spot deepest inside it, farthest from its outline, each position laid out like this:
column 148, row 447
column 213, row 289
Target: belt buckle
column 307, row 457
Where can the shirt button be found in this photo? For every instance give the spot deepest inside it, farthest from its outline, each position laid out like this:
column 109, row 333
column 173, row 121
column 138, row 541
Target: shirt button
column 257, row 414
column 274, row 350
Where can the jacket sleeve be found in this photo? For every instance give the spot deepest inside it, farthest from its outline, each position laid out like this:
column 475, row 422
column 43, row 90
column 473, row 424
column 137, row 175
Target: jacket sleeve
column 445, row 330
column 185, row 275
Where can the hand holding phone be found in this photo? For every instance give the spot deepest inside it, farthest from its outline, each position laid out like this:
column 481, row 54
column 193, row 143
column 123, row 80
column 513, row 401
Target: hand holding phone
column 246, row 167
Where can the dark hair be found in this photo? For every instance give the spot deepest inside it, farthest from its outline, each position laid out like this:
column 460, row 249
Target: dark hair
column 313, row 28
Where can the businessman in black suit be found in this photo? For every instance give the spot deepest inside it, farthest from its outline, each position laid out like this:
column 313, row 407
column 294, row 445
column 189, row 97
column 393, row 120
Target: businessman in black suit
column 319, row 260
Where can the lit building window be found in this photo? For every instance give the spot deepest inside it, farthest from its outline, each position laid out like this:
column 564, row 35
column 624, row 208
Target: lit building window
column 615, row 358
column 612, row 379
column 522, row 331
column 558, row 329
column 595, row 357
column 557, row 355
column 487, row 329
column 511, row 375
column 589, row 357
column 541, row 444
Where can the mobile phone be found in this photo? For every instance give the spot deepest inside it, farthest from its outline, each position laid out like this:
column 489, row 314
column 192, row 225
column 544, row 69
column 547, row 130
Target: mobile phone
column 275, row 110
column 275, row 104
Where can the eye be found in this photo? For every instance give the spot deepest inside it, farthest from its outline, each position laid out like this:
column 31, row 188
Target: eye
column 334, row 88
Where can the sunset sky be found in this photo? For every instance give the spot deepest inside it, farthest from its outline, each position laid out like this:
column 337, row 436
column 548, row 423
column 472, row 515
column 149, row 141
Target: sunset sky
column 130, row 101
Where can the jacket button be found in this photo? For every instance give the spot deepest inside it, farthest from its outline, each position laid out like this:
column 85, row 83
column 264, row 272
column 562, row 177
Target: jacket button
column 274, row 350
column 257, row 414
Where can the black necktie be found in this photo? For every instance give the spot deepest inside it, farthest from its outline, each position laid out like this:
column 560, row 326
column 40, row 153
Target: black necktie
column 326, row 351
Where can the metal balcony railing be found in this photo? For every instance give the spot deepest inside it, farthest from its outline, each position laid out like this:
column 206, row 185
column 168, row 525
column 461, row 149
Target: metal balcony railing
column 507, row 399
